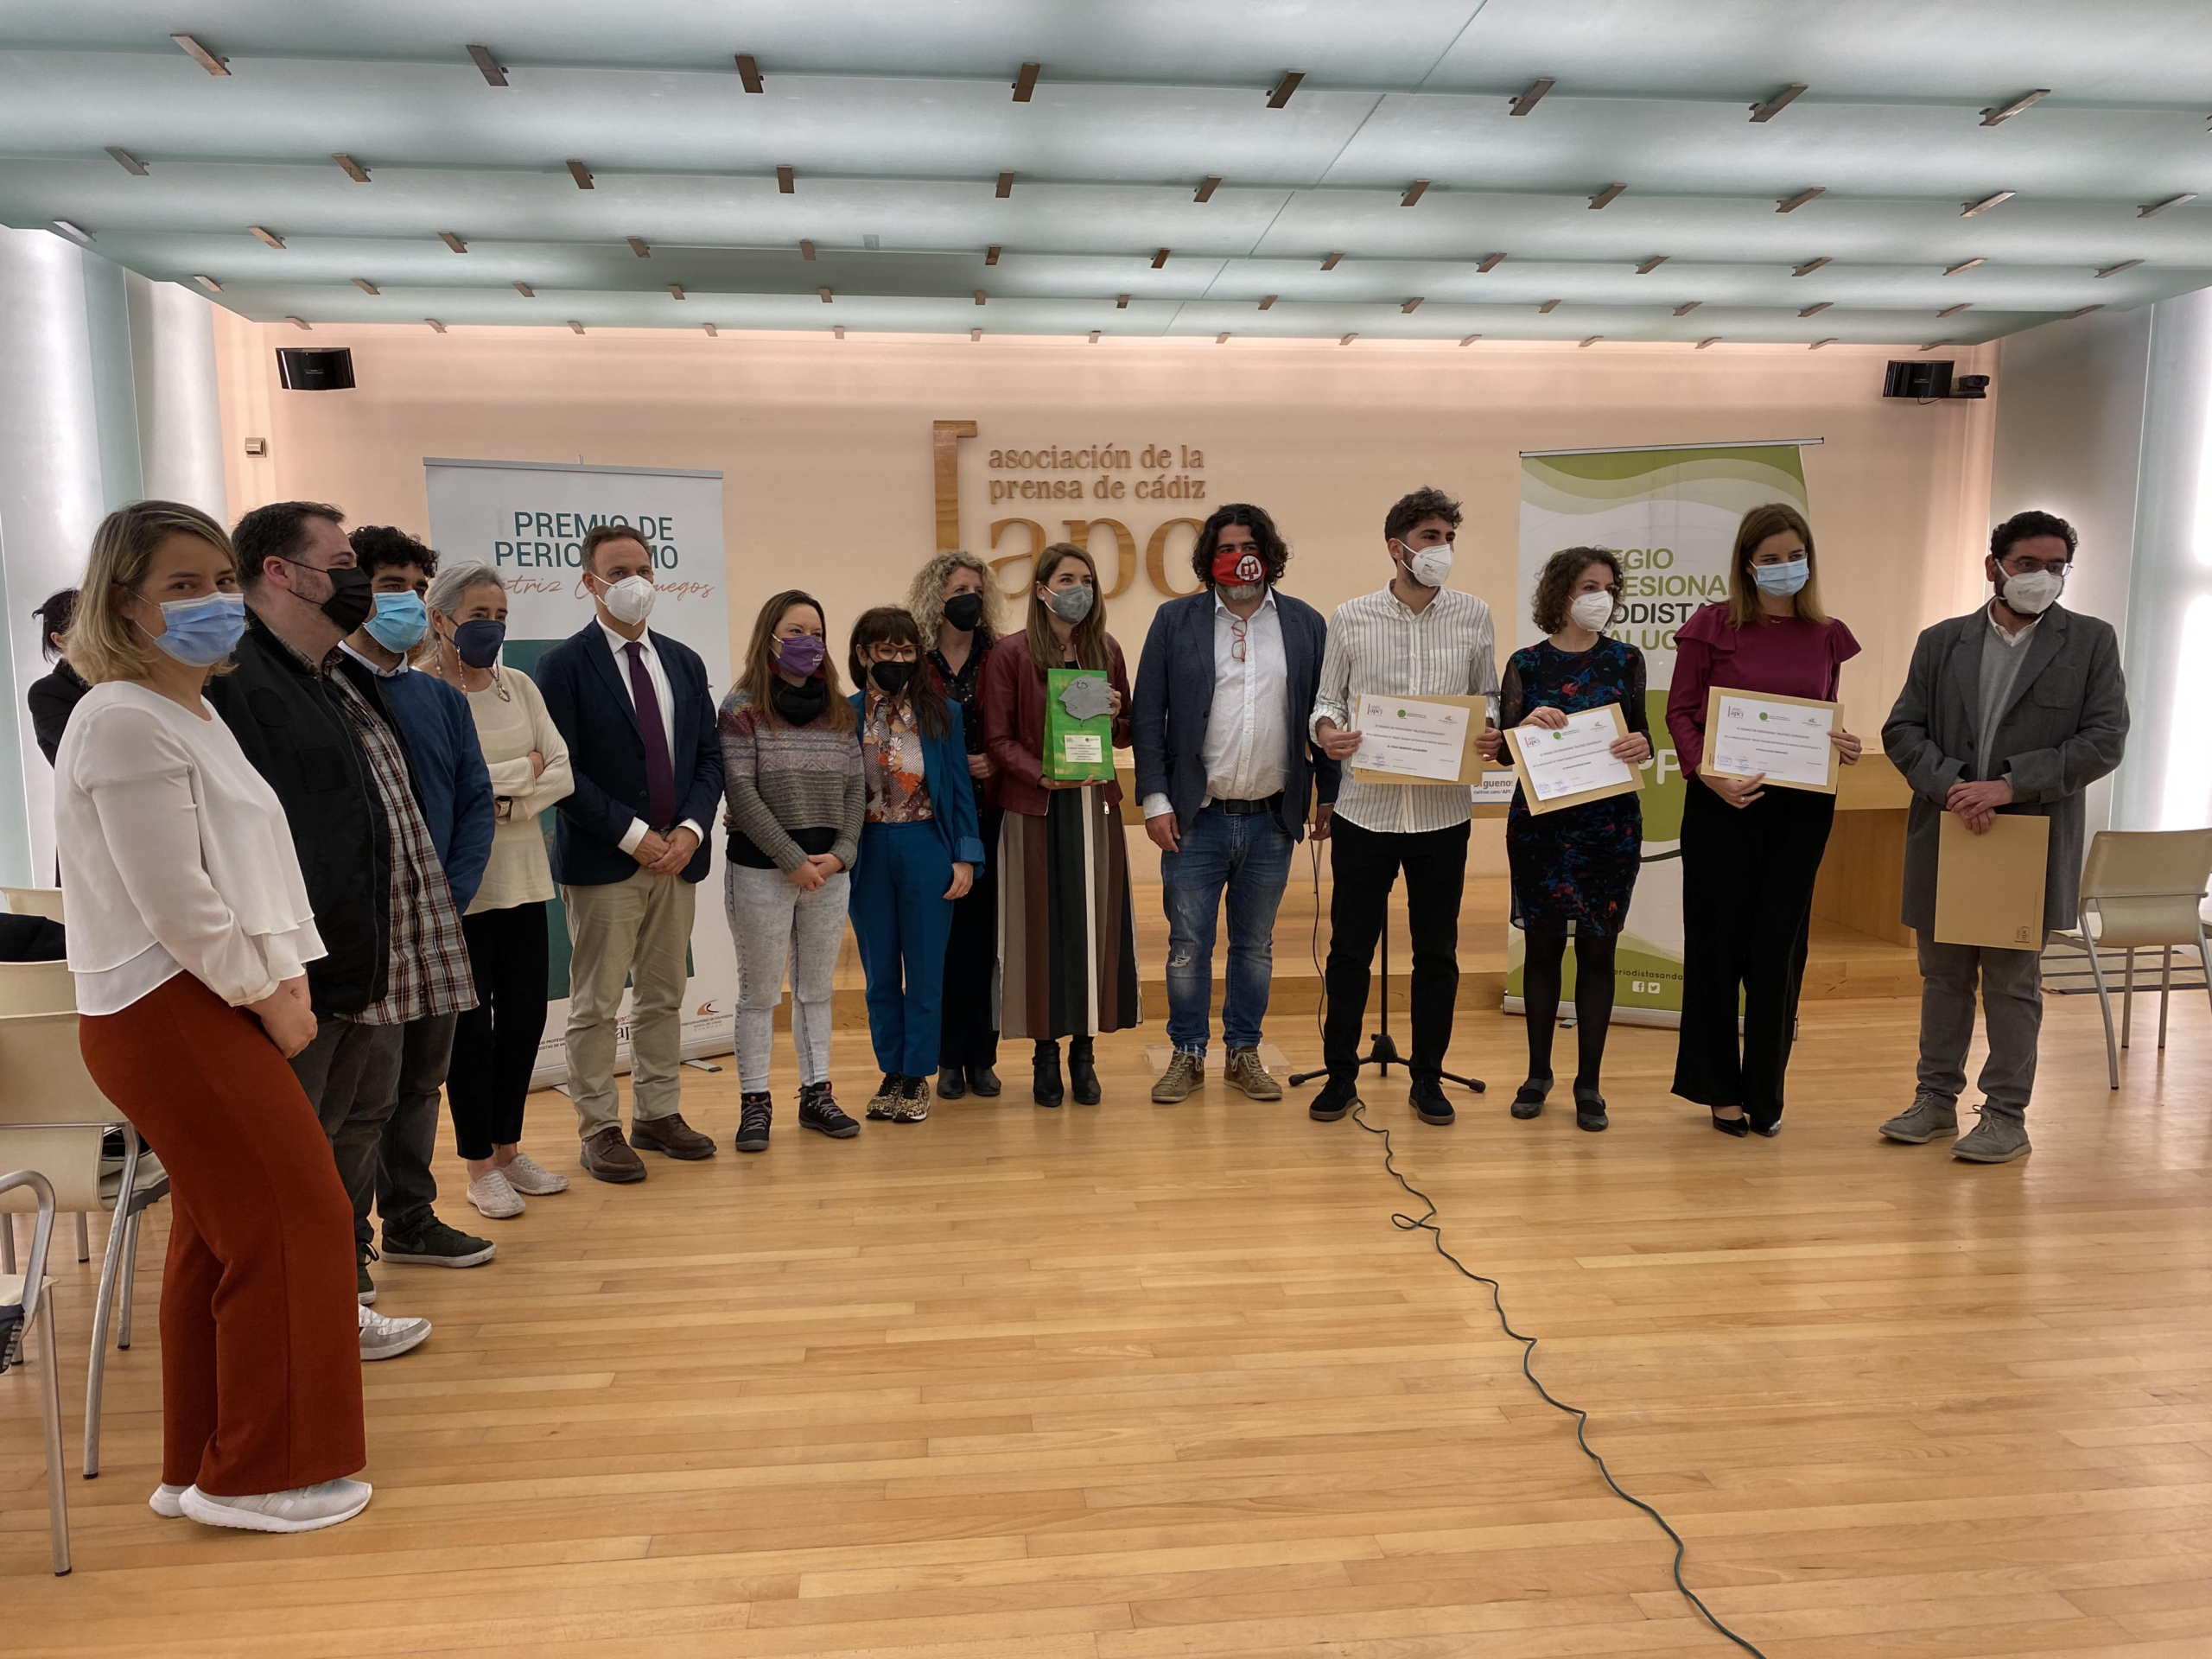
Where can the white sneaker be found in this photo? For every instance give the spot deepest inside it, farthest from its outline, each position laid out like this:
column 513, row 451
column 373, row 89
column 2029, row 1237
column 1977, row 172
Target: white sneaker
column 304, row 1509
column 493, row 1197
column 381, row 1338
column 527, row 1177
column 166, row 1500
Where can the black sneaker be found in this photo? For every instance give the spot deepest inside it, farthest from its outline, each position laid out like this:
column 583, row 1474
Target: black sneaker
column 367, row 1297
column 755, row 1114
column 1338, row 1097
column 1427, row 1098
column 431, row 1243
column 818, row 1110
column 885, row 1098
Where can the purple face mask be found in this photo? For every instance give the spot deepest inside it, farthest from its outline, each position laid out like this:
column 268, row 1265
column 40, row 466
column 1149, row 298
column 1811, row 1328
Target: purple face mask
column 801, row 654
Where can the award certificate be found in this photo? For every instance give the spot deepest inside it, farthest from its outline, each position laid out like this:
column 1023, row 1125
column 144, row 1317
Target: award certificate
column 1748, row 734
column 1573, row 763
column 1418, row 739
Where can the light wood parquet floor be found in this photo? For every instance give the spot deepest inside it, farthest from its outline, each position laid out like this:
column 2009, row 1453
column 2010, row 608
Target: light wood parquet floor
column 1157, row 1383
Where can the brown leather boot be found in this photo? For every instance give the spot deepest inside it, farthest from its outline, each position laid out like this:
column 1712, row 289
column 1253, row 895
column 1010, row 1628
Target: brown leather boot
column 605, row 1159
column 672, row 1136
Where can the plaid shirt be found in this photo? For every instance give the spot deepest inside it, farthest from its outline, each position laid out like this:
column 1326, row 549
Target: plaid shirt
column 429, row 972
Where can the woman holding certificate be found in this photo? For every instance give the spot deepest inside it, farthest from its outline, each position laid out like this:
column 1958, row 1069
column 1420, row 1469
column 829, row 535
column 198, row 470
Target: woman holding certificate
column 1067, row 936
column 1575, row 865
column 1752, row 844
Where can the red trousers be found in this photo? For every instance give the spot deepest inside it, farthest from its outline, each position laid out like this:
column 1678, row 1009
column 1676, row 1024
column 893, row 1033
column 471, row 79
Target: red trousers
column 261, row 1355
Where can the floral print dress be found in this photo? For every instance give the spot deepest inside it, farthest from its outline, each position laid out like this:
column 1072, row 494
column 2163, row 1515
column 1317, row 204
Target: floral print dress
column 1578, row 864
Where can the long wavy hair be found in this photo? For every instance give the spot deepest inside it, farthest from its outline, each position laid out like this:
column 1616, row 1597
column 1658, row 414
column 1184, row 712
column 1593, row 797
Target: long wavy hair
column 893, row 625
column 1088, row 641
column 1775, row 518
column 758, row 678
column 925, row 600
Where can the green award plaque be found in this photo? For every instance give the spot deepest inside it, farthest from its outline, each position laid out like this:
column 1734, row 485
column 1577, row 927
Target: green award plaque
column 1078, row 727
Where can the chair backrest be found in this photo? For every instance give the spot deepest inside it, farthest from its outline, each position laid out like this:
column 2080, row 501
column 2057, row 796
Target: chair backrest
column 32, row 901
column 37, row 987
column 43, row 1082
column 2145, row 885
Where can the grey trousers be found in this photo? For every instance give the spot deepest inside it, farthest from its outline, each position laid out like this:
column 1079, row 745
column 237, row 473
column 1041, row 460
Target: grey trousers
column 405, row 1187
column 351, row 1075
column 774, row 926
column 2011, row 982
column 633, row 932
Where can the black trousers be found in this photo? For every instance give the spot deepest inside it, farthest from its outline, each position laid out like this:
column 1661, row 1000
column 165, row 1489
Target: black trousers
column 405, row 1187
column 1363, row 865
column 1747, row 905
column 495, row 1043
column 968, row 1032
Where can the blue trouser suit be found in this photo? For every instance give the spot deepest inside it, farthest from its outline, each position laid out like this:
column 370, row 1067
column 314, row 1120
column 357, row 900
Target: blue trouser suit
column 901, row 920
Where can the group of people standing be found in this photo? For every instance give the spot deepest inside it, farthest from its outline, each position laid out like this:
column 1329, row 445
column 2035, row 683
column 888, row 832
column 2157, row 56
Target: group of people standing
column 298, row 799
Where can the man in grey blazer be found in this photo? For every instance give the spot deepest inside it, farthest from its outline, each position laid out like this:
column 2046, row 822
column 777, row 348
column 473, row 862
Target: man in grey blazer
column 2016, row 708
column 1225, row 765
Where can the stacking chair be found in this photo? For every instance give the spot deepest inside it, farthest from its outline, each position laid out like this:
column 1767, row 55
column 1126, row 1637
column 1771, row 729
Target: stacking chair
column 32, row 902
column 37, row 987
column 51, row 1119
column 2141, row 889
column 26, row 1302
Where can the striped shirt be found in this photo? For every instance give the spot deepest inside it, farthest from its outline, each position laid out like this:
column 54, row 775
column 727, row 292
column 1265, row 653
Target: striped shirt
column 1377, row 643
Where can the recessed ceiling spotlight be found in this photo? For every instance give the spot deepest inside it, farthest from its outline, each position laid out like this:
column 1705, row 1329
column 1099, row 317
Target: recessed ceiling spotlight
column 525, row 290
column 1121, row 302
column 1411, row 305
column 1348, row 338
column 1791, row 204
column 712, row 332
column 1005, row 187
column 1964, row 265
column 267, row 237
column 201, row 55
column 1817, row 344
column 488, row 65
column 1211, row 183
column 1221, row 339
column 1593, row 341
column 675, row 290
column 786, row 183
column 1814, row 310
column 453, row 242
column 1330, row 263
column 1607, row 196
column 1528, row 99
column 436, row 328
column 1285, row 87
column 2081, row 311
column 1953, row 311
column 839, row 331
column 209, row 284
column 135, row 168
column 638, row 246
column 1810, row 266
column 69, row 229
column 1159, row 259
column 980, row 296
column 1548, row 306
column 1470, row 339
column 748, row 73
column 805, row 249
column 974, row 333
column 824, row 294
column 1990, row 117
column 1094, row 336
column 1974, row 209
column 574, row 327
column 1781, row 101
column 1414, row 191
column 2115, row 271
column 2140, row 212
column 1687, row 307
column 352, row 169
column 1488, row 262
column 366, row 285
column 1266, row 301
column 580, row 174
column 991, row 254
column 1710, row 340
column 1024, row 84
column 1651, row 264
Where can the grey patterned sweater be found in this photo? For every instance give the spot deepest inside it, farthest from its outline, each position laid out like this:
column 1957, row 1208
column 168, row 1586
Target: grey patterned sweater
column 792, row 791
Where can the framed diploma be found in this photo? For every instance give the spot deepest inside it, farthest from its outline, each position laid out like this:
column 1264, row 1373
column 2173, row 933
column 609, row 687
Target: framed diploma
column 1573, row 763
column 1428, row 740
column 1749, row 733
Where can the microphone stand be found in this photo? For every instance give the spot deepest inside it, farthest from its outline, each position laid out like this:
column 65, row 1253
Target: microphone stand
column 1382, row 1048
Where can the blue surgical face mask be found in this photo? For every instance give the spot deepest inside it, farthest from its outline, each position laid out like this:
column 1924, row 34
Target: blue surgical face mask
column 202, row 631
column 1782, row 579
column 398, row 621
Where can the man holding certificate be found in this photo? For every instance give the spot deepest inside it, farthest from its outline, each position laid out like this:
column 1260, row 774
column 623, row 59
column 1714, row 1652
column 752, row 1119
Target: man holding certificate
column 2014, row 709
column 1416, row 639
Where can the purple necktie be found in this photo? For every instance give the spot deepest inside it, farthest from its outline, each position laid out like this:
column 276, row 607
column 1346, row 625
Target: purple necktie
column 660, row 777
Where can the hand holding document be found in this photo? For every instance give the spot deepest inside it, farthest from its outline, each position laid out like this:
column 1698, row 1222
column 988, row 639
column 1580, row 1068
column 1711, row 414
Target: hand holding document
column 1749, row 734
column 1989, row 884
column 1569, row 764
column 1418, row 739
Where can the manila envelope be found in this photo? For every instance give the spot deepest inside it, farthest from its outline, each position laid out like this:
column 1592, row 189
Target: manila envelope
column 1989, row 887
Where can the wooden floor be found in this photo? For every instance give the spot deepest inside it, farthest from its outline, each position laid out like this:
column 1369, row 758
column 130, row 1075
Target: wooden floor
column 1148, row 1383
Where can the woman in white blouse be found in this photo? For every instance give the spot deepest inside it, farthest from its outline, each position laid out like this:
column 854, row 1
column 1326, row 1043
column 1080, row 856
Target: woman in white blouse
column 188, row 929
column 495, row 1043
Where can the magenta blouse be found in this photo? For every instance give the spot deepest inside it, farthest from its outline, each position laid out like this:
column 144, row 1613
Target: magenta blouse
column 1788, row 657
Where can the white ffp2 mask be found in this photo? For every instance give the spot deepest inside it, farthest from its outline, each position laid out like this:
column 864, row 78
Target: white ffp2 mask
column 1592, row 611
column 2032, row 595
column 630, row 600
column 1429, row 566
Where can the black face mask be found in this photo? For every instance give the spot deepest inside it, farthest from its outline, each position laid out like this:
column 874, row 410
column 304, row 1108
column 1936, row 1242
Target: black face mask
column 800, row 705
column 352, row 595
column 890, row 678
column 964, row 611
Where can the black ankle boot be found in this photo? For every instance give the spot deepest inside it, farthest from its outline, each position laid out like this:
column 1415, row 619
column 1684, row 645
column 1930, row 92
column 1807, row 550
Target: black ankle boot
column 951, row 1082
column 1083, row 1074
column 1048, row 1091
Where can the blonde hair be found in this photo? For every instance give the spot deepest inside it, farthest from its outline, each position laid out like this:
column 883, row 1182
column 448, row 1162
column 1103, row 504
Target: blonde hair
column 926, row 599
column 103, row 644
column 1775, row 518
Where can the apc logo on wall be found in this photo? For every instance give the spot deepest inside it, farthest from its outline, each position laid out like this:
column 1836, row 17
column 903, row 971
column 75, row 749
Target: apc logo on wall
column 1090, row 475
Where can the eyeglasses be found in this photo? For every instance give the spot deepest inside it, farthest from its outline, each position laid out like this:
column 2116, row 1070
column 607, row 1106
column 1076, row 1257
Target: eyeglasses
column 1238, row 631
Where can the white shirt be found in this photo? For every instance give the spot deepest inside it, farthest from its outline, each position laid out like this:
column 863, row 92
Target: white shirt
column 667, row 698
column 1377, row 643
column 175, row 856
column 1247, row 731
column 377, row 669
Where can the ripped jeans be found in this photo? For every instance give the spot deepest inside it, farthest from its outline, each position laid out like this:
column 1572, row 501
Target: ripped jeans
column 1250, row 857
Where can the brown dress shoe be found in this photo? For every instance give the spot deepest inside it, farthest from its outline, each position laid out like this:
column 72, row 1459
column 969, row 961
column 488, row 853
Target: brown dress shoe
column 1248, row 1074
column 605, row 1159
column 672, row 1136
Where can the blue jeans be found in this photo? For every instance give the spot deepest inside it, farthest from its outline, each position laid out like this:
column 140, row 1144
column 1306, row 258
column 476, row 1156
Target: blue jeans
column 901, row 919
column 1249, row 854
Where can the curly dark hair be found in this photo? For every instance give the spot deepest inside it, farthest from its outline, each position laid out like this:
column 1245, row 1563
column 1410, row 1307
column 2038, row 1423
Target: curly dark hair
column 1555, row 583
column 1274, row 553
column 381, row 547
column 895, row 625
column 276, row 531
column 1421, row 506
column 2025, row 526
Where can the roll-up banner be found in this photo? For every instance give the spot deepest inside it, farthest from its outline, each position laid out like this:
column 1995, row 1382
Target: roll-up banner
column 1671, row 514
column 527, row 520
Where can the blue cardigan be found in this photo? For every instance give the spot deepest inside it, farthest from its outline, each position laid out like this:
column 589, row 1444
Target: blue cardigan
column 952, row 794
column 449, row 776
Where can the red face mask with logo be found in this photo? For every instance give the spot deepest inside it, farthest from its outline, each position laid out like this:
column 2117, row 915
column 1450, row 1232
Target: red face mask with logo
column 1239, row 568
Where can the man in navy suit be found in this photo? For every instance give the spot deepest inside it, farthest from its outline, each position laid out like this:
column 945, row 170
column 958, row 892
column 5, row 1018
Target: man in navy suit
column 1225, row 765
column 629, row 850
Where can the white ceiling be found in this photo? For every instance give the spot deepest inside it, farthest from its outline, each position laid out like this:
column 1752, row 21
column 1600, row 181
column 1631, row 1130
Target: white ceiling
column 897, row 120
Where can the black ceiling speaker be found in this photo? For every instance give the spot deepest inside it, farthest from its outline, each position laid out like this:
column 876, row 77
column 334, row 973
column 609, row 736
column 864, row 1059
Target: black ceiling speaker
column 1914, row 378
column 326, row 369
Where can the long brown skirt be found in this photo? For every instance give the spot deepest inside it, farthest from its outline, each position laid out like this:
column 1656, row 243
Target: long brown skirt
column 1067, row 937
